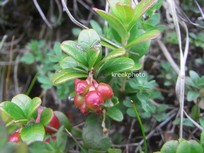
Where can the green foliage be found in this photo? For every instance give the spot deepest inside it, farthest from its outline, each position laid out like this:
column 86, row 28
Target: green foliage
column 93, row 137
column 195, row 86
column 181, row 146
column 46, row 61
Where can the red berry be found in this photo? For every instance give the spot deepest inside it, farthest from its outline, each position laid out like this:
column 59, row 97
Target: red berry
column 78, row 100
column 81, row 87
column 93, row 100
column 15, row 137
column 83, row 109
column 54, row 123
column 105, row 91
column 50, row 139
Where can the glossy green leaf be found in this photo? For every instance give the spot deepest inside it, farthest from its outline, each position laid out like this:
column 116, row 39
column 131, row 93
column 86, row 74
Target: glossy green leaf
column 46, row 116
column 75, row 51
column 140, row 10
column 195, row 147
column 29, row 106
column 183, row 146
column 12, row 110
column 61, row 140
column 34, row 132
column 201, row 120
column 124, row 12
column 95, row 25
column 114, row 54
column 169, row 147
column 88, row 38
column 66, row 75
column 195, row 112
column 63, row 120
column 92, row 135
column 115, row 114
column 93, row 55
column 113, row 22
column 37, row 147
column 68, row 62
column 144, row 37
column 120, row 64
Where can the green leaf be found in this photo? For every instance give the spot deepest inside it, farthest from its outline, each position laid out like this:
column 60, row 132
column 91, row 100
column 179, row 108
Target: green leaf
column 12, row 110
column 96, row 27
column 61, row 140
column 75, row 51
column 114, row 150
column 131, row 112
column 120, row 64
column 26, row 104
column 45, row 81
column 93, row 55
column 124, row 12
column 92, row 135
column 114, row 54
column 66, row 75
column 140, row 10
column 115, row 114
column 192, row 95
column 31, row 133
column 183, row 146
column 195, row 112
column 28, row 58
column 113, row 22
column 202, row 138
column 63, row 120
column 170, row 147
column 38, row 147
column 88, row 38
column 144, row 37
column 195, row 147
column 68, row 62
column 193, row 75
column 46, row 116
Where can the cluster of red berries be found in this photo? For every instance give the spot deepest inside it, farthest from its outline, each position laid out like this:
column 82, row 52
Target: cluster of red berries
column 90, row 95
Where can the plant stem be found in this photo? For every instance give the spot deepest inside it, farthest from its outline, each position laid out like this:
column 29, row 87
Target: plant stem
column 32, row 84
column 141, row 125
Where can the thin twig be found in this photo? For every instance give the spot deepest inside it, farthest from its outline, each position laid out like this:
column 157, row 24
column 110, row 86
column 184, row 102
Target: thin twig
column 168, row 56
column 42, row 14
column 194, row 122
column 15, row 76
column 8, row 70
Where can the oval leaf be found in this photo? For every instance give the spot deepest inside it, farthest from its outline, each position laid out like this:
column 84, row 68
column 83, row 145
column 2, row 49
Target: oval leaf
column 183, row 146
column 63, row 120
column 88, row 38
column 72, row 49
column 31, row 133
column 120, row 64
column 169, row 147
column 113, row 22
column 46, row 116
column 12, row 110
column 195, row 147
column 144, row 37
column 66, row 75
column 115, row 114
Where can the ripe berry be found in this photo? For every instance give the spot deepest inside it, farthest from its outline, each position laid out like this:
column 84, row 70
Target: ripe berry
column 78, row 100
column 81, row 87
column 15, row 137
column 93, row 100
column 105, row 91
column 84, row 109
column 54, row 123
